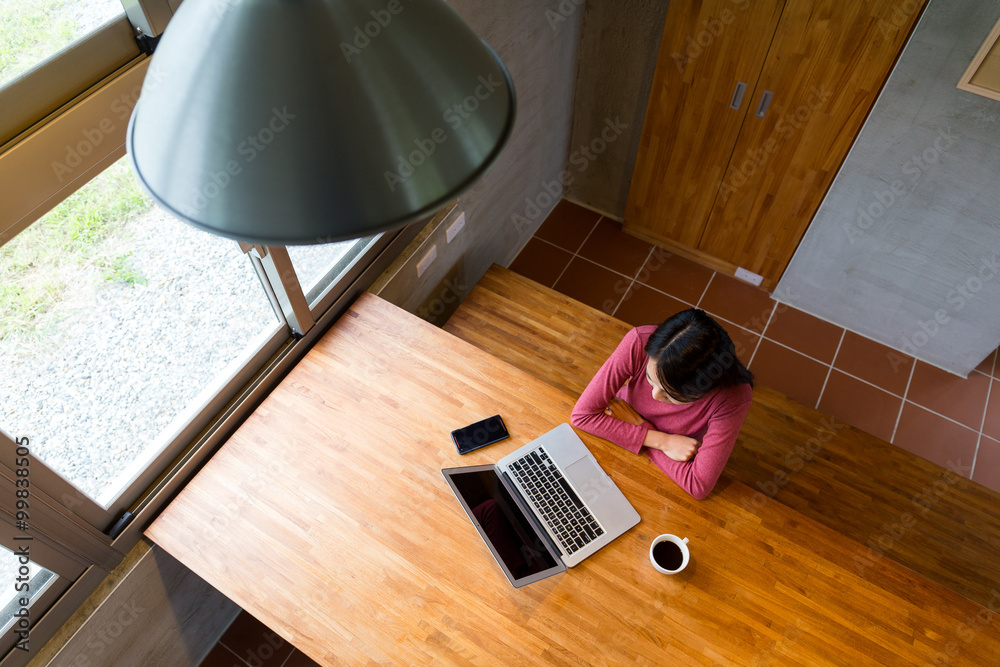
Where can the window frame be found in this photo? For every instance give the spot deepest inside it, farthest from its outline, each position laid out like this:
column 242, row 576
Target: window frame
column 93, row 85
column 43, row 89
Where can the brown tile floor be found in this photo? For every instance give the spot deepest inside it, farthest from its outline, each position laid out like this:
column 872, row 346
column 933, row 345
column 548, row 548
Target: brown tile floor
column 918, row 407
column 249, row 643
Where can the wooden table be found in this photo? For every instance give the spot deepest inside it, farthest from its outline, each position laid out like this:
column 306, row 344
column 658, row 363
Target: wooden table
column 327, row 518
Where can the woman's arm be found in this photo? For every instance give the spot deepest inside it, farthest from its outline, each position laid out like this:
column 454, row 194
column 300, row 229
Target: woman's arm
column 699, row 474
column 589, row 413
column 677, row 447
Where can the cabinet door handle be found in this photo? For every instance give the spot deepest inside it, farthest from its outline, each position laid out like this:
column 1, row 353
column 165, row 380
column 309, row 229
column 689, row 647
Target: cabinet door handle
column 765, row 102
column 738, row 95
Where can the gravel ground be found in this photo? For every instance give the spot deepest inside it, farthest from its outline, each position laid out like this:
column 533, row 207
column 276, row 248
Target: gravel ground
column 123, row 361
column 91, row 14
column 120, row 362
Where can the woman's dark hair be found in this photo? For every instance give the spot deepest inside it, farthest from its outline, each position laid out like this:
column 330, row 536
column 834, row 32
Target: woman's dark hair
column 694, row 355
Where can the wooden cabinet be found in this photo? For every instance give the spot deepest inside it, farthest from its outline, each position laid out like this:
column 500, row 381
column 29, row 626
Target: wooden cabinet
column 754, row 106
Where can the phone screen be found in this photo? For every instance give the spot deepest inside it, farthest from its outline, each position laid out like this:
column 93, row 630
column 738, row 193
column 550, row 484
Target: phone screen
column 480, row 434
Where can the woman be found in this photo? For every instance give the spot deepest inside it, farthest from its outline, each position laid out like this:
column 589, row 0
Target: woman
column 676, row 391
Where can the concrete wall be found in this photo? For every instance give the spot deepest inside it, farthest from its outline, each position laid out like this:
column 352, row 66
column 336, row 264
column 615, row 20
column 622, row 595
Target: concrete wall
column 150, row 611
column 538, row 43
column 618, row 49
column 904, row 248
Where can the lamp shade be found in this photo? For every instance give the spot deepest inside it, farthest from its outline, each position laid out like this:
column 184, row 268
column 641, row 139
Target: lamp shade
column 312, row 121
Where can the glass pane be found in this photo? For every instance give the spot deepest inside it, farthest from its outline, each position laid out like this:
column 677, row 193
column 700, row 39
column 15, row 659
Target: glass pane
column 33, row 30
column 22, row 581
column 114, row 317
column 319, row 266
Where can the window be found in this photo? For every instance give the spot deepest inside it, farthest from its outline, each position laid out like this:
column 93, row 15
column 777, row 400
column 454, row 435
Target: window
column 318, row 267
column 114, row 319
column 33, row 30
column 130, row 342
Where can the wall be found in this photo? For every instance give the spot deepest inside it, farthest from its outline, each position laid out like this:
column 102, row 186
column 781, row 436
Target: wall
column 904, row 247
column 506, row 206
column 150, row 611
column 618, row 49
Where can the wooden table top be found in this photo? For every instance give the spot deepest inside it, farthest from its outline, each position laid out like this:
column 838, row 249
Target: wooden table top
column 327, row 518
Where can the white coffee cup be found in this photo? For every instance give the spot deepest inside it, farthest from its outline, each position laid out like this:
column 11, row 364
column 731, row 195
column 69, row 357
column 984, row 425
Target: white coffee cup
column 681, row 545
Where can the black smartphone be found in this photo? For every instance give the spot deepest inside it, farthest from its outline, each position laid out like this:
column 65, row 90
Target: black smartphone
column 480, row 434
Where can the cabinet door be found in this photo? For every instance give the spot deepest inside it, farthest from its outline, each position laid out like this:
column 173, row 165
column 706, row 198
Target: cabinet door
column 826, row 65
column 690, row 127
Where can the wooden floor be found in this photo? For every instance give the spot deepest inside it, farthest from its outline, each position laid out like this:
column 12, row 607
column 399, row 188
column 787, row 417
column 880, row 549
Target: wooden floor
column 930, row 519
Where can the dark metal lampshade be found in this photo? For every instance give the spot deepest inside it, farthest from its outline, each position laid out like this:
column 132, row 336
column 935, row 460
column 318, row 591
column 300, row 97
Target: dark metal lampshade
column 312, row 121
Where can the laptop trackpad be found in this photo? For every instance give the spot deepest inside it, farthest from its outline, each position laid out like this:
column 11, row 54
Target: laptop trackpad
column 588, row 478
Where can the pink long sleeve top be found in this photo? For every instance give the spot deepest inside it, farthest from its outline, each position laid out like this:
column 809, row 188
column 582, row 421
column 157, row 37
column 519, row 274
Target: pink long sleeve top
column 714, row 420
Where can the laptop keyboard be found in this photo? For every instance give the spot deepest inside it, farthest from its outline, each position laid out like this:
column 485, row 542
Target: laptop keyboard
column 555, row 499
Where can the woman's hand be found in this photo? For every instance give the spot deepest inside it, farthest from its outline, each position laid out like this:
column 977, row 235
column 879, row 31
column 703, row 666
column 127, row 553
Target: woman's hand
column 677, row 447
column 620, row 409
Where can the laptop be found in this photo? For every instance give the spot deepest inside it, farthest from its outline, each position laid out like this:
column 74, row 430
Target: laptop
column 543, row 508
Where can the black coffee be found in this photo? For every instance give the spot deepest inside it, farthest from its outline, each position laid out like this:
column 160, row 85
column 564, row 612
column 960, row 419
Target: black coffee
column 668, row 555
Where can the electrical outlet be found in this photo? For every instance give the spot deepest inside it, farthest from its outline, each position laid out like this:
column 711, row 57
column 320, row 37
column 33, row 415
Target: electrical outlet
column 427, row 260
column 749, row 276
column 456, row 227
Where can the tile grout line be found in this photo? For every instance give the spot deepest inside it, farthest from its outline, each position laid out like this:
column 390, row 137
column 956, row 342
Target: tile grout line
column 577, row 253
column 902, row 405
column 975, row 455
column 554, row 245
column 705, row 291
column 989, row 389
column 235, row 654
column 627, row 289
column 824, row 363
column 938, row 414
column 656, row 289
column 982, row 424
column 760, row 338
column 870, row 384
column 829, row 370
column 289, row 656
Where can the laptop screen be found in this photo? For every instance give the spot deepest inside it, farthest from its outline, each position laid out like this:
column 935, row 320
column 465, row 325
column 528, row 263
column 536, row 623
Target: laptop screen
column 515, row 544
